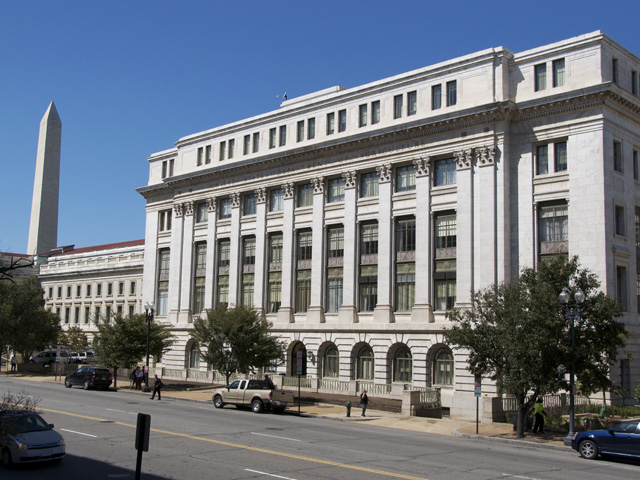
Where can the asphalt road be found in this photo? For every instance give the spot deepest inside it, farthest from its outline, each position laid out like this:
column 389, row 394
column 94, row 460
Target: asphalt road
column 192, row 440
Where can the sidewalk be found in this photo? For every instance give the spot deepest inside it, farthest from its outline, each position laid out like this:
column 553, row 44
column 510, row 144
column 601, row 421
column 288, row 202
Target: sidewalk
column 500, row 432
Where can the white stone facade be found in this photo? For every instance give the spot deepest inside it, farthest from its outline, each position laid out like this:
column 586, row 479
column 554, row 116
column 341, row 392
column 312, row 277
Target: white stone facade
column 94, row 283
column 353, row 218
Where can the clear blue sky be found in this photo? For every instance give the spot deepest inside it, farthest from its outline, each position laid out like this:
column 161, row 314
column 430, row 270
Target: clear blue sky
column 129, row 78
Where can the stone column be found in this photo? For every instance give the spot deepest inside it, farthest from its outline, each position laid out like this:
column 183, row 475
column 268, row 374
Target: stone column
column 315, row 313
column 485, row 209
column 348, row 310
column 422, row 311
column 261, row 254
column 187, row 259
column 234, row 250
column 465, row 228
column 285, row 312
column 150, row 270
column 383, row 312
column 175, row 263
column 210, row 274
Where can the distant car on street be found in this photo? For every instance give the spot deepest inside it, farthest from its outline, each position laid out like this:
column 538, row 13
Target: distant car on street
column 48, row 357
column 26, row 438
column 623, row 439
column 82, row 357
column 89, row 377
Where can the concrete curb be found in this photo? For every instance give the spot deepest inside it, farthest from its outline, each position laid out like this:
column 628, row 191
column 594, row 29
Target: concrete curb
column 510, row 441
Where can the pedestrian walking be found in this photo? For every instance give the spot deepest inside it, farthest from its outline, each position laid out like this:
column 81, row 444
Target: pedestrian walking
column 539, row 414
column 139, row 374
column 364, row 401
column 14, row 363
column 157, row 386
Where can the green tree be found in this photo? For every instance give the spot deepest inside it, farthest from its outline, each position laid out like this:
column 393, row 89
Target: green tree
column 122, row 342
column 25, row 325
column 74, row 338
column 236, row 339
column 517, row 334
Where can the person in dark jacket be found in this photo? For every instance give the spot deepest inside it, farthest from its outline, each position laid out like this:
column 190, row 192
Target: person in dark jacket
column 157, row 386
column 364, row 401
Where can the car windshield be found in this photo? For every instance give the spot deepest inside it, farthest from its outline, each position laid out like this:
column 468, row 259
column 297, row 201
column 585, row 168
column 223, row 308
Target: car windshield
column 26, row 423
column 625, row 427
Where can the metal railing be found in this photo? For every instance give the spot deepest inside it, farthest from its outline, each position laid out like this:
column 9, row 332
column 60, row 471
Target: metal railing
column 510, row 404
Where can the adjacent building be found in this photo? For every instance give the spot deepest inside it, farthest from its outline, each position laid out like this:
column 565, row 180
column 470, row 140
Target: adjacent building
column 354, row 218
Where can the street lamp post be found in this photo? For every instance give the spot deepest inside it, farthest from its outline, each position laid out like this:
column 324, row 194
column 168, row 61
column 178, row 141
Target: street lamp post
column 572, row 317
column 148, row 315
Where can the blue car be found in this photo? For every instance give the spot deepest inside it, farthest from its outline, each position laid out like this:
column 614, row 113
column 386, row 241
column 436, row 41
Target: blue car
column 622, row 439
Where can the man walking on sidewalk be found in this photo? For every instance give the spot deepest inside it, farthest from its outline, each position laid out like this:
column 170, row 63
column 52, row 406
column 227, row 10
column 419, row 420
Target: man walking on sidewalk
column 157, row 386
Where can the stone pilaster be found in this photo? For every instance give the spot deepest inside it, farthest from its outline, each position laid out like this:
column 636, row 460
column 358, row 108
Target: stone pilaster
column 285, row 312
column 315, row 313
column 465, row 228
column 383, row 312
column 175, row 262
column 210, row 274
column 422, row 311
column 187, row 258
column 348, row 310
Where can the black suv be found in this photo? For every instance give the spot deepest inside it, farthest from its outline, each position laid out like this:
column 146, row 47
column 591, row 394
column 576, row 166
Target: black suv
column 89, row 377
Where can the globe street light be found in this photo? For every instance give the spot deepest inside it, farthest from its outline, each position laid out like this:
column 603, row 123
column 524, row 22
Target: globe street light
column 571, row 316
column 148, row 315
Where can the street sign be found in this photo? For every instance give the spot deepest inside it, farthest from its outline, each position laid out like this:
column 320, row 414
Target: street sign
column 477, row 385
column 299, row 362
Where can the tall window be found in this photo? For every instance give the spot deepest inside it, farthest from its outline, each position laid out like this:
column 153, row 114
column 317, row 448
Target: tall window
column 331, row 363
column 202, row 212
column 617, row 157
column 406, row 235
column 305, row 195
column 560, row 156
column 375, row 112
column 199, row 276
column 275, row 248
column 369, row 184
column 232, row 145
column 436, row 97
column 274, row 293
column 222, row 285
column 368, row 278
column 402, row 365
column 443, row 367
column 336, row 190
column 331, row 123
column 276, row 200
column 246, row 146
column 164, row 220
column 335, row 254
column 300, row 131
column 397, row 106
column 311, row 128
column 283, row 135
column 335, row 242
column 207, row 155
column 225, row 208
column 445, row 172
column 614, row 70
column 621, row 288
column 369, row 239
column 223, row 149
column 619, row 219
column 247, row 289
column 249, row 251
column 365, row 366
column 272, row 138
column 405, row 178
column 542, row 160
column 636, row 165
column 256, row 142
column 362, row 115
column 558, row 72
column 412, row 103
column 445, row 229
column 303, row 271
column 163, row 281
column 342, row 120
column 249, row 204
column 194, row 356
column 540, row 72
column 200, row 156
column 554, row 223
column 224, row 253
column 405, row 264
column 304, row 245
column 452, row 93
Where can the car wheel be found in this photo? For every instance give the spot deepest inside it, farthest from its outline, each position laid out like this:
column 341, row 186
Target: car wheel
column 217, row 401
column 588, row 449
column 257, row 406
column 6, row 458
column 67, row 383
column 86, row 385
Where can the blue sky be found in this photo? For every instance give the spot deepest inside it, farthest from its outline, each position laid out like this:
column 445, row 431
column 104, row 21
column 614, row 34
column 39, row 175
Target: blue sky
column 129, row 78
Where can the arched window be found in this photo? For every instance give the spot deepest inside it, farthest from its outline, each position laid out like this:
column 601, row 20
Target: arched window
column 331, row 367
column 194, row 356
column 365, row 364
column 443, row 367
column 402, row 365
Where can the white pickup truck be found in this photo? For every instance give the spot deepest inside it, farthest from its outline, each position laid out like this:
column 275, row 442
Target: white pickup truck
column 255, row 393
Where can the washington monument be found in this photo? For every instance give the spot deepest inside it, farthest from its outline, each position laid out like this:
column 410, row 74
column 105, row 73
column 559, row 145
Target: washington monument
column 43, row 229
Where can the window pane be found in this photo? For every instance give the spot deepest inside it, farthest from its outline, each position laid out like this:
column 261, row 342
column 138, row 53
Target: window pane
column 375, row 112
column 542, row 160
column 369, row 184
column 445, row 172
column 558, row 72
column 540, row 72
column 405, row 178
column 397, row 106
column 436, row 97
column 305, row 195
column 452, row 93
column 560, row 156
column 336, row 190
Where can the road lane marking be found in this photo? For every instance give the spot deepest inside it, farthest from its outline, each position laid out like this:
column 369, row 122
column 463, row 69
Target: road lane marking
column 268, row 474
column 120, row 411
column 251, row 449
column 79, row 433
column 275, row 436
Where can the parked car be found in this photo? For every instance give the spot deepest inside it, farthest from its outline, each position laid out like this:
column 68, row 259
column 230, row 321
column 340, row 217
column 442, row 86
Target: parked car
column 258, row 394
column 26, row 438
column 82, row 357
column 89, row 377
column 48, row 357
column 621, row 439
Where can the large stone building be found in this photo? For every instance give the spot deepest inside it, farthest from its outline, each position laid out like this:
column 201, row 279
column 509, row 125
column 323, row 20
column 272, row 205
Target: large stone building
column 354, row 218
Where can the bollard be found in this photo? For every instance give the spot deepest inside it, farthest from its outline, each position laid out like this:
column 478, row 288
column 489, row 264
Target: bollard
column 348, row 408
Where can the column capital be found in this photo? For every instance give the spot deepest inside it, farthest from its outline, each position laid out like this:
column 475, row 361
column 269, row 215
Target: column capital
column 318, row 184
column 350, row 179
column 288, row 189
column 178, row 209
column 486, row 155
column 211, row 202
column 464, row 159
column 188, row 208
column 422, row 165
column 261, row 194
column 384, row 171
column 235, row 200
